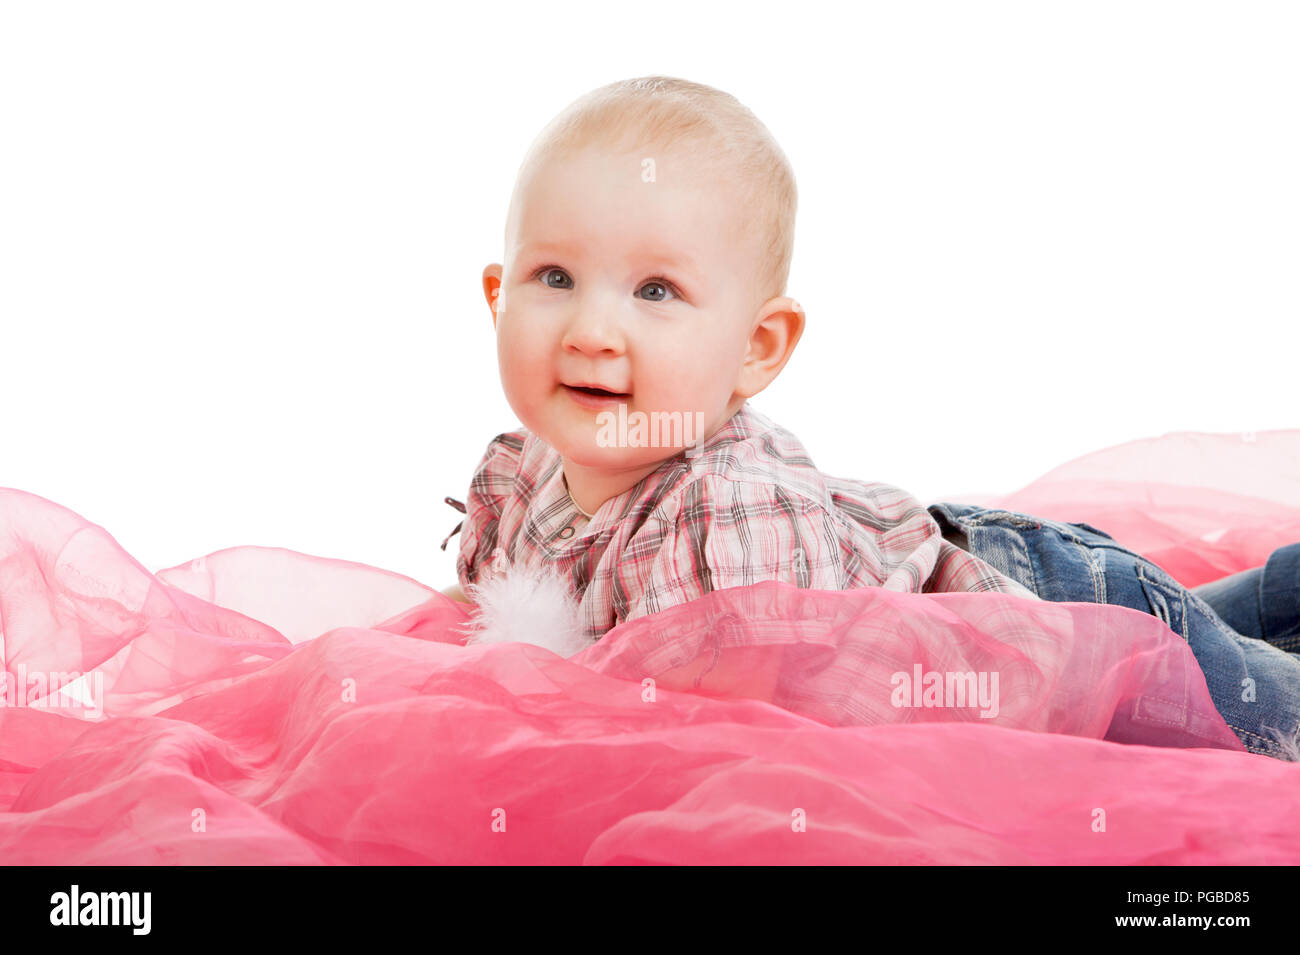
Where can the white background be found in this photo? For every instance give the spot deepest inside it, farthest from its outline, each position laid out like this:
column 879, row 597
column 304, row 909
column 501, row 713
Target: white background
column 241, row 243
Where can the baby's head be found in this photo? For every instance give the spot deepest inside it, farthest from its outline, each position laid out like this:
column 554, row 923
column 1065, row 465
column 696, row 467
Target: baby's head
column 647, row 250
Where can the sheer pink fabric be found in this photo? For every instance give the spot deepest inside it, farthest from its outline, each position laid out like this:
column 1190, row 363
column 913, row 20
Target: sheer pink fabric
column 1202, row 506
column 262, row 706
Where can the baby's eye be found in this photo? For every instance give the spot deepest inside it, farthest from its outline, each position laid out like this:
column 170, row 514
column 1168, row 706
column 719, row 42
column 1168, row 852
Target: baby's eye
column 664, row 290
column 545, row 276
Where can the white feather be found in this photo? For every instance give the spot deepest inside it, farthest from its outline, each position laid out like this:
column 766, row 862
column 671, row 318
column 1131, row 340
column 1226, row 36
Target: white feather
column 523, row 605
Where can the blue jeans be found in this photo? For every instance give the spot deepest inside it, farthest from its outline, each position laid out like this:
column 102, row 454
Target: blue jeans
column 1252, row 677
column 1261, row 602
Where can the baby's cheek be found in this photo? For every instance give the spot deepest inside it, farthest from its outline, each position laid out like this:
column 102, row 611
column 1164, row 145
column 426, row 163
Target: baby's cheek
column 521, row 359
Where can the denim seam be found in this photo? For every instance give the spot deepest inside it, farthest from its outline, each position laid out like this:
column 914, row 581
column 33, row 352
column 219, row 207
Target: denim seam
column 1098, row 573
column 1267, row 747
column 1264, row 745
column 1168, row 599
column 1073, row 536
column 1012, row 558
column 1270, row 744
column 1240, row 729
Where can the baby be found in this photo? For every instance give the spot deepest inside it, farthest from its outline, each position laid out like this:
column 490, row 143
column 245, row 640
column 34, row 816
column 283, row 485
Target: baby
column 641, row 303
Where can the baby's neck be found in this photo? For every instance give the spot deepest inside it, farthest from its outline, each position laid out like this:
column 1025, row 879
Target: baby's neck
column 592, row 487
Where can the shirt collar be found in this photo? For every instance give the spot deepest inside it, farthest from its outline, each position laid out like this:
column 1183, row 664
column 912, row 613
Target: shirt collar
column 554, row 520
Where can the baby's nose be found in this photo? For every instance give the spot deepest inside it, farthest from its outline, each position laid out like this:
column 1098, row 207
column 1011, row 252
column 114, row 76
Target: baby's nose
column 594, row 330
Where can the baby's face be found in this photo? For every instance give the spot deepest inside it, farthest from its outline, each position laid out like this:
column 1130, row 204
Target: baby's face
column 632, row 278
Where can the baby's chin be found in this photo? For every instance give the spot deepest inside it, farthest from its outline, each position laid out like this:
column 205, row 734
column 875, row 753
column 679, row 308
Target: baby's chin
column 612, row 439
column 581, row 446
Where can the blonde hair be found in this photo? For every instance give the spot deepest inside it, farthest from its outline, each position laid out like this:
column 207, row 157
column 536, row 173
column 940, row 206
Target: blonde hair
column 723, row 135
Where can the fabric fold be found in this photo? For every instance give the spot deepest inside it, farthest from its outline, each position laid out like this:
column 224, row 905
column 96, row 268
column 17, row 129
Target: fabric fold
column 259, row 705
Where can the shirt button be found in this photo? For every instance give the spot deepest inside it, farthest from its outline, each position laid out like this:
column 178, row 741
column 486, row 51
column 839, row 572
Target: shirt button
column 567, row 532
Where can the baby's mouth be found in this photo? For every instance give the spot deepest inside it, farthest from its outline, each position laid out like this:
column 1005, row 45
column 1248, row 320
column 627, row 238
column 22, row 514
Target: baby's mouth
column 595, row 392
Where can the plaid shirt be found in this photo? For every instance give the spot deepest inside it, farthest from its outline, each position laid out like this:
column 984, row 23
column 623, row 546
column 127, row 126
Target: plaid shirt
column 747, row 506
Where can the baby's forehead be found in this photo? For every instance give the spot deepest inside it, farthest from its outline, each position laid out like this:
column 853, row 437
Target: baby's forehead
column 682, row 166
column 673, row 205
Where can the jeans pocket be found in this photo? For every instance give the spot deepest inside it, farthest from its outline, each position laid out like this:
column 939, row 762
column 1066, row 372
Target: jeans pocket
column 1167, row 597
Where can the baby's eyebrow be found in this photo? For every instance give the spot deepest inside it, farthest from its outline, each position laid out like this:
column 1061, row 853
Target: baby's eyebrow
column 650, row 258
column 563, row 247
column 683, row 265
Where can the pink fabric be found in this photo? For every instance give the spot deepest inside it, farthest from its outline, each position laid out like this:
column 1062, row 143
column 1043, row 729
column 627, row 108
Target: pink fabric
column 1202, row 506
column 265, row 706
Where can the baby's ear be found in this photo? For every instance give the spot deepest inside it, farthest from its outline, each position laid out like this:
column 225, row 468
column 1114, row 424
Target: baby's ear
column 493, row 291
column 778, row 327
